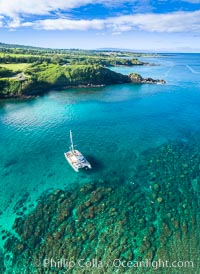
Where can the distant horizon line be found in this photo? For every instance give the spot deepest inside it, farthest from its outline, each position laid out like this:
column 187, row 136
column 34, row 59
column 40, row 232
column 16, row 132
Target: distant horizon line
column 172, row 51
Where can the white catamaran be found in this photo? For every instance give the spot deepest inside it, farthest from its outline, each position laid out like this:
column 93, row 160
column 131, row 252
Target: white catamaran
column 75, row 158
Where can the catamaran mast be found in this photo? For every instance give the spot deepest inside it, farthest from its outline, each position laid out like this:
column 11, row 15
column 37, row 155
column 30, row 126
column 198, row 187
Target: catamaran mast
column 72, row 145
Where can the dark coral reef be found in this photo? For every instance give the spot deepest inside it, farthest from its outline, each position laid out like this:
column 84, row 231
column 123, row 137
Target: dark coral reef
column 93, row 228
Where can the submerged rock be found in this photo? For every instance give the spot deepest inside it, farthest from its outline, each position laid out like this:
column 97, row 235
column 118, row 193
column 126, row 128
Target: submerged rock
column 160, row 199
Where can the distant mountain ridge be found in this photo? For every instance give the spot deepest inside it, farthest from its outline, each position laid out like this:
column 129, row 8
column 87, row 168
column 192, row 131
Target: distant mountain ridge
column 14, row 46
column 153, row 51
column 5, row 45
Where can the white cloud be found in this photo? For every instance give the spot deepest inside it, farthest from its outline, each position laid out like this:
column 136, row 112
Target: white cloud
column 15, row 22
column 1, row 21
column 42, row 7
column 67, row 24
column 16, row 13
column 39, row 7
column 170, row 22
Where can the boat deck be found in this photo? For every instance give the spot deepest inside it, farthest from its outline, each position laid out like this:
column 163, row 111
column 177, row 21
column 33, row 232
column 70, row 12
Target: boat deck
column 76, row 160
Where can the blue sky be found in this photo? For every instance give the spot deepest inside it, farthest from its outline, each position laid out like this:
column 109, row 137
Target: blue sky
column 161, row 25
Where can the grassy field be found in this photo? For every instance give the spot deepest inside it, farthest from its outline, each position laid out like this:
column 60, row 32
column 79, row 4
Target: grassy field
column 16, row 67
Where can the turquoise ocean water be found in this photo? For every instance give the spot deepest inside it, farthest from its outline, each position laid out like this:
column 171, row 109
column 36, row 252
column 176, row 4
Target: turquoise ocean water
column 111, row 127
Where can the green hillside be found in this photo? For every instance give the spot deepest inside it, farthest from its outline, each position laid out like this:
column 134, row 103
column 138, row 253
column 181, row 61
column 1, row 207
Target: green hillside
column 38, row 78
column 28, row 71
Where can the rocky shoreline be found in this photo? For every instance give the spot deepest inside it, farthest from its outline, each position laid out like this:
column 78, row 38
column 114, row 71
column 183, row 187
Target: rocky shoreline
column 132, row 78
column 138, row 79
column 153, row 81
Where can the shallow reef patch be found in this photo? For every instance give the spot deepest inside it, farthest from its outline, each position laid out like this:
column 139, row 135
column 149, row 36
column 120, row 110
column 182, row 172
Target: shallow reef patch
column 155, row 216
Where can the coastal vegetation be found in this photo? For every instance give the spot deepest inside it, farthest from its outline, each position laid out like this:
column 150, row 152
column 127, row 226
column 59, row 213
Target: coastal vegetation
column 5, row 72
column 38, row 78
column 17, row 54
column 15, row 67
column 29, row 71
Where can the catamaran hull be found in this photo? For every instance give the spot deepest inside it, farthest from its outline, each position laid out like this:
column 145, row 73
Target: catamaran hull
column 76, row 160
column 74, row 168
